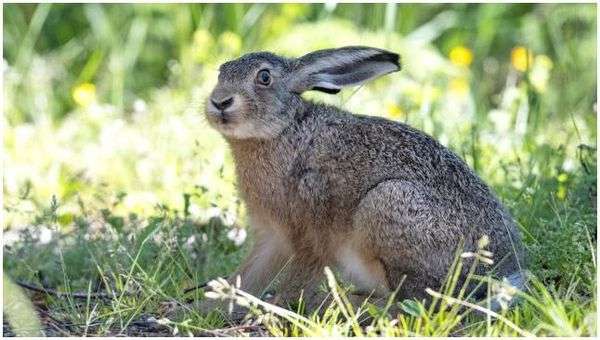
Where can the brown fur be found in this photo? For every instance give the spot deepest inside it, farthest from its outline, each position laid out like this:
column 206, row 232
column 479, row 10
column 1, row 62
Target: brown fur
column 319, row 182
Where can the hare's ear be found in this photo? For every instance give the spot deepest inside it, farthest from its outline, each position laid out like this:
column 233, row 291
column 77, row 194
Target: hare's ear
column 330, row 70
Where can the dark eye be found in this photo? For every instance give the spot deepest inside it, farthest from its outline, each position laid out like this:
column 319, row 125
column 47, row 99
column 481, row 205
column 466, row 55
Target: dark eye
column 264, row 77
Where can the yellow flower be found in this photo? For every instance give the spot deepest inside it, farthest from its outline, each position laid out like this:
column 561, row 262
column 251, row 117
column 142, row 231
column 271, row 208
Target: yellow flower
column 203, row 45
column 544, row 61
column 231, row 42
column 394, row 111
column 521, row 58
column 459, row 86
column 292, row 11
column 540, row 72
column 414, row 92
column 84, row 94
column 278, row 25
column 203, row 38
column 562, row 192
column 461, row 56
column 562, row 178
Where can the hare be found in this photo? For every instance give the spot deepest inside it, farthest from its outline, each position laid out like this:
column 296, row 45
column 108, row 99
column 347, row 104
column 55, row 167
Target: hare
column 382, row 203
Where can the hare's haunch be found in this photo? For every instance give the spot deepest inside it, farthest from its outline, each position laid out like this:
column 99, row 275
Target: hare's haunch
column 383, row 203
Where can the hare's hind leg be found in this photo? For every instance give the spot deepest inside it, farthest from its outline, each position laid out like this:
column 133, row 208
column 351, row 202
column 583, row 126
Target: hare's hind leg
column 406, row 233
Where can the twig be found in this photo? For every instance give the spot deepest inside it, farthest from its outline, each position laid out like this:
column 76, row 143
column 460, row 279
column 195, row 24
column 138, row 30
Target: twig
column 63, row 294
column 53, row 292
column 200, row 286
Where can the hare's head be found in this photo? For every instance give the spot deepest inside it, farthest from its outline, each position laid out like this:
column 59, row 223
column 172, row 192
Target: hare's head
column 258, row 95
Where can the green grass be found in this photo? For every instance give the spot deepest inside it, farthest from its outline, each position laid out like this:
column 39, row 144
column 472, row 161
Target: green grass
column 155, row 260
column 118, row 186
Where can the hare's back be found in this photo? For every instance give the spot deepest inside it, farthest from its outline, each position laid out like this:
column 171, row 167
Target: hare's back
column 372, row 149
column 354, row 154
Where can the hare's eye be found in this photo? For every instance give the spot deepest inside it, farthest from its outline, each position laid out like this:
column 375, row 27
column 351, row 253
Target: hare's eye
column 263, row 77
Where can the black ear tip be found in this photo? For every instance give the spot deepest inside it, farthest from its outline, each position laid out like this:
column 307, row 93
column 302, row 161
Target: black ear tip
column 326, row 90
column 397, row 62
column 394, row 58
column 389, row 57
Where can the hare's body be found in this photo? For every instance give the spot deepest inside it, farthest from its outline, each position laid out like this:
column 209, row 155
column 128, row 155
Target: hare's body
column 381, row 202
column 333, row 182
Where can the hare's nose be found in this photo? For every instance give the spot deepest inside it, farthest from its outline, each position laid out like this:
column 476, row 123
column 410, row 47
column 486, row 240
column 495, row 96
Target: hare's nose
column 222, row 104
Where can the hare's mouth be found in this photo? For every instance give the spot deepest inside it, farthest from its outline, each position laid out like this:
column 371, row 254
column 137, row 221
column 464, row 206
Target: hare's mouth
column 220, row 117
column 225, row 120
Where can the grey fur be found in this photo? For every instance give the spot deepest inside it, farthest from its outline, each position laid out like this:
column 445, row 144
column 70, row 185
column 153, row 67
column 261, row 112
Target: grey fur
column 317, row 179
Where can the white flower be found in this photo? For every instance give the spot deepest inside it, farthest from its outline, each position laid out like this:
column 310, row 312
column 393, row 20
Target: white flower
column 195, row 210
column 131, row 237
column 96, row 226
column 212, row 212
column 229, row 218
column 45, row 235
column 189, row 243
column 163, row 321
column 139, row 105
column 10, row 237
column 237, row 235
column 503, row 292
column 212, row 295
column 568, row 165
column 5, row 66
